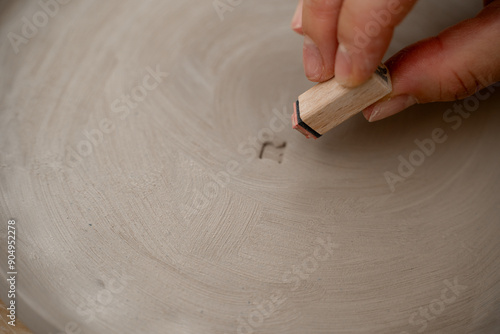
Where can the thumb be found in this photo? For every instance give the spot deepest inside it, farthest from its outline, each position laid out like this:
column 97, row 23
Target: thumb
column 453, row 65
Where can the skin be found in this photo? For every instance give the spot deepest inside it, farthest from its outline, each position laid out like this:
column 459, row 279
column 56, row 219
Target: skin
column 452, row 65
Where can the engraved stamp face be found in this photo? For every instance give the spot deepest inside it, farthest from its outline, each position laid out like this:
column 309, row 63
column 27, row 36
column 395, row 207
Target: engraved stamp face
column 382, row 72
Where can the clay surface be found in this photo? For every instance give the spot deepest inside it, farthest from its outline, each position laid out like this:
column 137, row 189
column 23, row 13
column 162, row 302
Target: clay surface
column 148, row 159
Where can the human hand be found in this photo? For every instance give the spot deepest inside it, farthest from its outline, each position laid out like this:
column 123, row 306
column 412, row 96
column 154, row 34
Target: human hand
column 348, row 39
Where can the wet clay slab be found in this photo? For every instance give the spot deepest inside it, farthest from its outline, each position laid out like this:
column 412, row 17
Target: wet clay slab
column 148, row 158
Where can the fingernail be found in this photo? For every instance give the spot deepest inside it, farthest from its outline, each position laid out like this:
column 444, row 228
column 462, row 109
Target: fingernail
column 368, row 112
column 313, row 63
column 297, row 19
column 383, row 109
column 343, row 65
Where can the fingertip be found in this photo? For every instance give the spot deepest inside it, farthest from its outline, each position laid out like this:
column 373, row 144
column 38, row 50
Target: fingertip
column 313, row 61
column 343, row 65
column 352, row 70
column 365, row 30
